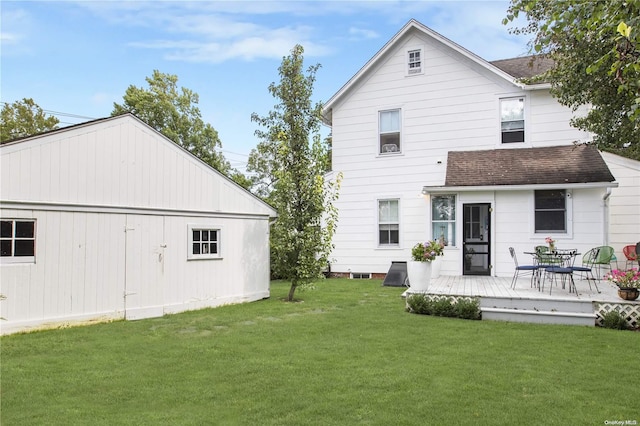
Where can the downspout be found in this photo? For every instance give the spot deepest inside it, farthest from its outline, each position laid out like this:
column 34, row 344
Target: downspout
column 605, row 199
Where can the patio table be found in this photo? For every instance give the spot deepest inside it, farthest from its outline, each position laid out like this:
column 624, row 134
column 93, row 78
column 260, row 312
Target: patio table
column 559, row 261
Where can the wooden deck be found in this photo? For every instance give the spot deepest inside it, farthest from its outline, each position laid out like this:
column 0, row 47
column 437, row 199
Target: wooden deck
column 483, row 286
column 498, row 301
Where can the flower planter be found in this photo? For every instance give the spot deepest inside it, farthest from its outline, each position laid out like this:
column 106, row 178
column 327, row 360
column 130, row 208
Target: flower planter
column 435, row 267
column 419, row 275
column 628, row 293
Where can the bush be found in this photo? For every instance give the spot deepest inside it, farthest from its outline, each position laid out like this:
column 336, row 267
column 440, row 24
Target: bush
column 614, row 320
column 419, row 304
column 468, row 309
column 443, row 307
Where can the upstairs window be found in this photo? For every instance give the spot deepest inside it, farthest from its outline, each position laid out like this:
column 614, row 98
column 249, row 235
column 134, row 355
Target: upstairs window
column 17, row 241
column 389, row 131
column 388, row 223
column 414, row 64
column 204, row 242
column 512, row 120
column 551, row 211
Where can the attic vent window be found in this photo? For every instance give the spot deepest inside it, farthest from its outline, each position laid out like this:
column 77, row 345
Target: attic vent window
column 415, row 61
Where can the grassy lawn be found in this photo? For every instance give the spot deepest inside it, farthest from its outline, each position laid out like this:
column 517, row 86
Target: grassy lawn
column 348, row 354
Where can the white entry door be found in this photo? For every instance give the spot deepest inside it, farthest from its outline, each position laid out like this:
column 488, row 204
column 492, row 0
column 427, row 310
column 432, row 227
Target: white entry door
column 144, row 269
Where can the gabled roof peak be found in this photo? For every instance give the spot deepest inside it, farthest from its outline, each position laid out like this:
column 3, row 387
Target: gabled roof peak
column 502, row 69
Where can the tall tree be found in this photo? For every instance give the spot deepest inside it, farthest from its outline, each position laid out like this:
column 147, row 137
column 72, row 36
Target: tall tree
column 175, row 114
column 24, row 118
column 596, row 49
column 296, row 159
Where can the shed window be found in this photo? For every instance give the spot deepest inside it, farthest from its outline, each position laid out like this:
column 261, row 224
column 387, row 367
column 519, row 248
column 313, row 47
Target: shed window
column 17, row 240
column 204, row 242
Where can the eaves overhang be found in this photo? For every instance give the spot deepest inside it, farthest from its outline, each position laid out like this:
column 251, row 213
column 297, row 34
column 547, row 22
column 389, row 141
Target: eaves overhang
column 446, row 189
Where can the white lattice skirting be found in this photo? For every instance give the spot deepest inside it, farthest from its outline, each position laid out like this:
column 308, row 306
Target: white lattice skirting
column 631, row 312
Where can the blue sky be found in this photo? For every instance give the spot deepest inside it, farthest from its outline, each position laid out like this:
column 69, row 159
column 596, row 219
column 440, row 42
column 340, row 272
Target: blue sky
column 78, row 57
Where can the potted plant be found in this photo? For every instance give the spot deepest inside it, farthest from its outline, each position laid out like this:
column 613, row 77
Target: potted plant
column 551, row 242
column 419, row 269
column 628, row 282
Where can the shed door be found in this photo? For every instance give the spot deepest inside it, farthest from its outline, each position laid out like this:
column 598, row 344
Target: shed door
column 476, row 239
column 144, row 268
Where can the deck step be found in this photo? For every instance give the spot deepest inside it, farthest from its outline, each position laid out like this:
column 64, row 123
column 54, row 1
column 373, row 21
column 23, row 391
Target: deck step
column 538, row 316
column 535, row 304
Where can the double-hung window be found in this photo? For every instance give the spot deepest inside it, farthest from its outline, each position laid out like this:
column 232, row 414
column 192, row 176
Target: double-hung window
column 17, row 240
column 388, row 223
column 414, row 61
column 512, row 120
column 443, row 219
column 551, row 211
column 389, row 131
column 204, row 242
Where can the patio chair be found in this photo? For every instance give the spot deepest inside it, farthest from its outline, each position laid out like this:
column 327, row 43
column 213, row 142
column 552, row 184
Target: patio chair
column 586, row 270
column 630, row 255
column 521, row 270
column 603, row 259
column 564, row 270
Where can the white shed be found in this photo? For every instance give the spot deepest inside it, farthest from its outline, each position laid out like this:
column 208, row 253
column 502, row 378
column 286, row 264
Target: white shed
column 110, row 219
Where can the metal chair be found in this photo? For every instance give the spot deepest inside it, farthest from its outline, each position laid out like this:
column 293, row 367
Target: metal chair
column 630, row 255
column 586, row 269
column 564, row 270
column 603, row 259
column 521, row 269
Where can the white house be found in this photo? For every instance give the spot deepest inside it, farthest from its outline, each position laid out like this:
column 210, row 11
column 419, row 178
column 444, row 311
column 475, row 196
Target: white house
column 110, row 219
column 436, row 143
column 624, row 204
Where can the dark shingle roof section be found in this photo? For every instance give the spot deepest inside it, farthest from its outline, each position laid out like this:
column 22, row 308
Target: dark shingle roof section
column 524, row 67
column 527, row 166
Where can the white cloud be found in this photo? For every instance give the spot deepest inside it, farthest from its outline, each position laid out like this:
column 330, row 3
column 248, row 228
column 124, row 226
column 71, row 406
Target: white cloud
column 362, row 33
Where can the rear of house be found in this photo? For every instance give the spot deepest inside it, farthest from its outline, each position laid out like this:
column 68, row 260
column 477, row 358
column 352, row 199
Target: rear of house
column 433, row 143
column 110, row 219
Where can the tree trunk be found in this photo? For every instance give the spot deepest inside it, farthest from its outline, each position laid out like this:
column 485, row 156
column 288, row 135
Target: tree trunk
column 291, row 291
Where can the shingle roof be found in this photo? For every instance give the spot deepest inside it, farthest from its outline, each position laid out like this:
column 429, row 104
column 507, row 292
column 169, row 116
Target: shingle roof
column 527, row 166
column 524, row 67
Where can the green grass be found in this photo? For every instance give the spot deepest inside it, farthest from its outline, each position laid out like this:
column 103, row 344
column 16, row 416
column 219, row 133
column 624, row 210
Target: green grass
column 347, row 354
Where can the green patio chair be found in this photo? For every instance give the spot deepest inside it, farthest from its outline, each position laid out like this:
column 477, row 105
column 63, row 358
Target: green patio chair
column 602, row 259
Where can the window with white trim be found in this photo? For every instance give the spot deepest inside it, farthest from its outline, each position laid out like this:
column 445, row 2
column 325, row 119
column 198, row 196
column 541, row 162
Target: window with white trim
column 550, row 211
column 443, row 219
column 414, row 61
column 388, row 223
column 17, row 241
column 512, row 120
column 389, row 123
column 204, row 242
